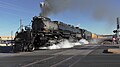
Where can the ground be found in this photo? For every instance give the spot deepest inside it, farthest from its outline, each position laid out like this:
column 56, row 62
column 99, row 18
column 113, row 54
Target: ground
column 78, row 56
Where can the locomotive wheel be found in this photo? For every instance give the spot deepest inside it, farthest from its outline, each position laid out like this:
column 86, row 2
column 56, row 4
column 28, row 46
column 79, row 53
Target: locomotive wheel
column 24, row 48
column 36, row 48
column 17, row 47
column 31, row 48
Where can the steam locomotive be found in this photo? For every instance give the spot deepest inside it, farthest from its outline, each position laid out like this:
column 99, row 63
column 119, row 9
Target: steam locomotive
column 45, row 32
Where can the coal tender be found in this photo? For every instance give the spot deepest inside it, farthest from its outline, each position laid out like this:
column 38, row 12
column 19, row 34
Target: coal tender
column 45, row 32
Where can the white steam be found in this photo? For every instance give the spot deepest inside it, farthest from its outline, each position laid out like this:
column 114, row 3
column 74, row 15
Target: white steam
column 83, row 41
column 66, row 44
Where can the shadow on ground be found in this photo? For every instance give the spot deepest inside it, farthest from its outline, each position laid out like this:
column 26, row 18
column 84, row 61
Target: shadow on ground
column 6, row 49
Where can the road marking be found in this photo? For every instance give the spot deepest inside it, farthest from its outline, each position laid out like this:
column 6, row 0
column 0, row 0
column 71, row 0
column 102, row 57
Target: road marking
column 38, row 61
column 70, row 58
column 63, row 61
column 83, row 57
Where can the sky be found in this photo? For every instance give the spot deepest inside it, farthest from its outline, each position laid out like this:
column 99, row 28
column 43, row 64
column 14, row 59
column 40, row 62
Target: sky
column 11, row 11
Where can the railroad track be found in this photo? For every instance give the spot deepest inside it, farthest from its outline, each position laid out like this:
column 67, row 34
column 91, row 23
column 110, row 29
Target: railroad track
column 63, row 58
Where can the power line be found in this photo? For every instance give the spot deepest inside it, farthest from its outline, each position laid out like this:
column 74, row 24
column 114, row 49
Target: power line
column 13, row 7
column 9, row 4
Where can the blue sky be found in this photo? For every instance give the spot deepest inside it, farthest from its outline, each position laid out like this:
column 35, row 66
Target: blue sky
column 11, row 11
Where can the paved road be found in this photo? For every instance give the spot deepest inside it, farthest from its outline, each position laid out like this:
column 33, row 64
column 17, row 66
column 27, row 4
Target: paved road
column 78, row 56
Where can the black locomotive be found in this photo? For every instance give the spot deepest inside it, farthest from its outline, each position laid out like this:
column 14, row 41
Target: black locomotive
column 45, row 32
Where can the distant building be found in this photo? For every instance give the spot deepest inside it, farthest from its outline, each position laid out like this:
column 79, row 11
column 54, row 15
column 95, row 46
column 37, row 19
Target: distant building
column 105, row 36
column 94, row 36
column 6, row 37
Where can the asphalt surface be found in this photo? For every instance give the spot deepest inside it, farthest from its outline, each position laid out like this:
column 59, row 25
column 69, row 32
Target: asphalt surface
column 78, row 56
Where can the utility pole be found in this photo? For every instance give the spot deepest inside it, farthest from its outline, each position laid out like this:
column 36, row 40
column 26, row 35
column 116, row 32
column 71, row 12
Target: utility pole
column 117, row 31
column 11, row 35
column 118, row 27
column 12, row 38
column 21, row 26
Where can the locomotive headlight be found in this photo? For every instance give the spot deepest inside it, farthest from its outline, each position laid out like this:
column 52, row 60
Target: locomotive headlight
column 17, row 39
column 45, row 27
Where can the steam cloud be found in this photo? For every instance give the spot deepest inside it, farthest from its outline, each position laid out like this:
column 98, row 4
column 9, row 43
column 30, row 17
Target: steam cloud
column 66, row 44
column 98, row 9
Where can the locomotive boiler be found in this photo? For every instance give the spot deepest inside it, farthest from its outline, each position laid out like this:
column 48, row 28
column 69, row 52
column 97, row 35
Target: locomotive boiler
column 45, row 32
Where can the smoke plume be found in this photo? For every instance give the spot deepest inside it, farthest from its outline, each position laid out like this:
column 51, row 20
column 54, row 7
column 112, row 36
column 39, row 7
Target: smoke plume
column 98, row 9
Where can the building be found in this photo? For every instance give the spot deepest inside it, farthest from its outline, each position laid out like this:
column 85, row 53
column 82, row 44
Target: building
column 7, row 37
